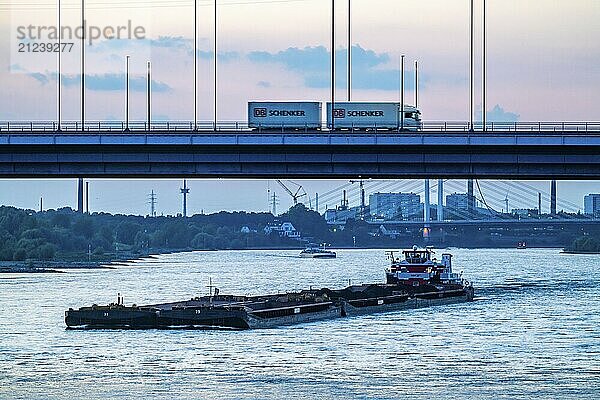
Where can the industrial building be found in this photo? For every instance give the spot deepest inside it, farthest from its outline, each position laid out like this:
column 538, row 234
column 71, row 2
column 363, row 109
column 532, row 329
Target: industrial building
column 591, row 204
column 459, row 201
column 395, row 206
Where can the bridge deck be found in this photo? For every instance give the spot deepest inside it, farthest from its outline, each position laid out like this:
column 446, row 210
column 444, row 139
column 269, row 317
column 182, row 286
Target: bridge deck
column 237, row 154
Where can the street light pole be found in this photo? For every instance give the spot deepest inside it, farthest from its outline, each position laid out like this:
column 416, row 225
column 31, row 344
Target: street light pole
column 127, row 96
column 149, row 111
column 472, row 69
column 349, row 50
column 83, row 28
column 59, row 77
column 216, row 63
column 195, row 65
column 332, row 65
column 402, row 92
column 416, row 84
column 484, row 70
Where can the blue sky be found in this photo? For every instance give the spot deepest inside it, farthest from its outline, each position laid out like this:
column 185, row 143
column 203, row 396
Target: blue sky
column 280, row 51
column 542, row 57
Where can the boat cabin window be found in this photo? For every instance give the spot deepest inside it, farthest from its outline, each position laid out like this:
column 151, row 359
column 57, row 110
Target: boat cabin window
column 417, row 257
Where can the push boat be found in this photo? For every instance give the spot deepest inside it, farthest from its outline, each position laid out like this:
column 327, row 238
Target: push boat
column 317, row 252
column 416, row 281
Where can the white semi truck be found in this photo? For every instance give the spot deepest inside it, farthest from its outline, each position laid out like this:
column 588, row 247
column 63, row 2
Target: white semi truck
column 373, row 115
column 349, row 116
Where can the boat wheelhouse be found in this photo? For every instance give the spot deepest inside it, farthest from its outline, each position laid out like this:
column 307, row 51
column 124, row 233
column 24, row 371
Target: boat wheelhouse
column 419, row 267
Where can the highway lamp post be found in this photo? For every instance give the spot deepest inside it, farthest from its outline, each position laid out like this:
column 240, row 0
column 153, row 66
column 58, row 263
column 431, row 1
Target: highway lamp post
column 216, row 63
column 59, row 76
column 416, row 84
column 349, row 50
column 402, row 92
column 472, row 68
column 332, row 65
column 82, row 65
column 127, row 95
column 484, row 71
column 195, row 65
column 149, row 100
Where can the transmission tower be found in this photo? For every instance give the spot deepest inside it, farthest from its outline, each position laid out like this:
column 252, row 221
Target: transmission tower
column 273, row 201
column 152, row 201
column 184, row 192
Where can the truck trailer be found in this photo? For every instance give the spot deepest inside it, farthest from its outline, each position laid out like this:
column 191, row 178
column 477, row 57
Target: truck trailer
column 284, row 115
column 373, row 115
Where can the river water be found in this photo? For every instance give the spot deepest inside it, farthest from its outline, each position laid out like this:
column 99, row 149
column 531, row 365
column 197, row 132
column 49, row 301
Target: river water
column 533, row 333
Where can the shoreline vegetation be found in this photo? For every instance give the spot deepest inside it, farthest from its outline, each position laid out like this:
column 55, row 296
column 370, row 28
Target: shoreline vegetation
column 63, row 266
column 62, row 239
column 55, row 240
column 583, row 245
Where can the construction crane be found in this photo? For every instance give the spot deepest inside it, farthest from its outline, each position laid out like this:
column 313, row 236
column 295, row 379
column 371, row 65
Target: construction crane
column 298, row 194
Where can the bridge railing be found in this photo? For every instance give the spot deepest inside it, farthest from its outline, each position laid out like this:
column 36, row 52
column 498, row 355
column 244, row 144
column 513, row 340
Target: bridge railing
column 240, row 126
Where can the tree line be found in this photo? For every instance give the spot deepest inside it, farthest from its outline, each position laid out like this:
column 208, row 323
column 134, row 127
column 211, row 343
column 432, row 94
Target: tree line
column 68, row 235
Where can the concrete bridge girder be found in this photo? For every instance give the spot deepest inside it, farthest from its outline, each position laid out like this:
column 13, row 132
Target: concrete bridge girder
column 424, row 155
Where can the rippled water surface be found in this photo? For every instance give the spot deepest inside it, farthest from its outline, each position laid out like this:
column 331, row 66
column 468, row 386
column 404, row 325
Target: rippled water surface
column 535, row 333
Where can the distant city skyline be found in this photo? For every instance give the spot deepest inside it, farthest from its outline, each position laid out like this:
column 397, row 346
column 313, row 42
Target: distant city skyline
column 209, row 196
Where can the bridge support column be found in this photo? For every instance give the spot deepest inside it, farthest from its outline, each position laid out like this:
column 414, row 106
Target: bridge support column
column 440, row 204
column 553, row 197
column 470, row 199
column 80, row 195
column 427, row 211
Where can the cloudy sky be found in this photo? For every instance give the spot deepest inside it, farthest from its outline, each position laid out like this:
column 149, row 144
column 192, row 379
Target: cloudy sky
column 543, row 58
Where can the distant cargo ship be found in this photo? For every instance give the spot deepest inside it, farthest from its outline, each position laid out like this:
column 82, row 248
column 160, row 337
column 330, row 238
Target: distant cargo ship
column 416, row 281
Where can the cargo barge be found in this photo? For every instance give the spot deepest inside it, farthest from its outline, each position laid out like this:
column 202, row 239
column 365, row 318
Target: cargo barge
column 417, row 280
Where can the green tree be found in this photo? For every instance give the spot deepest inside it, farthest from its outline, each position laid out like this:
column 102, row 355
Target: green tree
column 308, row 222
column 20, row 255
column 47, row 251
column 84, row 227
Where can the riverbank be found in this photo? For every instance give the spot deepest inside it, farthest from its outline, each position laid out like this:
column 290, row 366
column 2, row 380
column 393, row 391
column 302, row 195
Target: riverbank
column 580, row 252
column 58, row 266
column 51, row 266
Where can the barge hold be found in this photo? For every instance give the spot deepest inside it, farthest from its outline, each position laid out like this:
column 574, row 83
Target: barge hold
column 417, row 280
